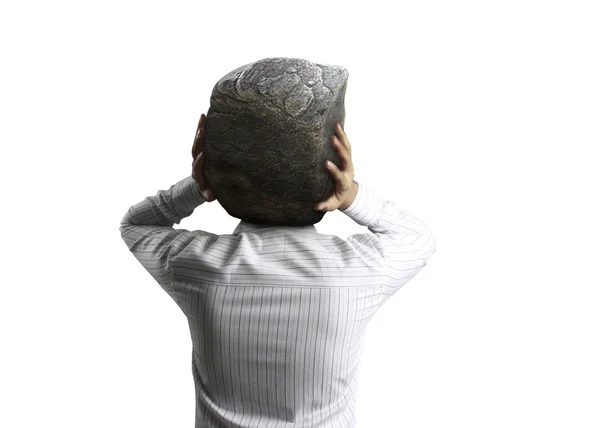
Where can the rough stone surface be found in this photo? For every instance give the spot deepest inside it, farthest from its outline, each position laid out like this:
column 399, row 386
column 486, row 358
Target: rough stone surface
column 267, row 135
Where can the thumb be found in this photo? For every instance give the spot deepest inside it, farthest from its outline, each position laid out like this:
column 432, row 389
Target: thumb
column 326, row 205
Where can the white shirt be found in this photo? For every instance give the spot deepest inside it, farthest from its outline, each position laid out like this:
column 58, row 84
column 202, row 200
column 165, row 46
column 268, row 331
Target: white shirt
column 276, row 314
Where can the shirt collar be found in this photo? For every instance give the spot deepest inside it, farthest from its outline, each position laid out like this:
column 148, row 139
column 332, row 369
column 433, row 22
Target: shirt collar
column 244, row 226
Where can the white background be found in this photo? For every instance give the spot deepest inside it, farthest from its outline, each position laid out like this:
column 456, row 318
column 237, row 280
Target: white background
column 480, row 117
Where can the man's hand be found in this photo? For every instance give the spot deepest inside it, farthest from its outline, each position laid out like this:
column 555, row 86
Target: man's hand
column 345, row 187
column 198, row 163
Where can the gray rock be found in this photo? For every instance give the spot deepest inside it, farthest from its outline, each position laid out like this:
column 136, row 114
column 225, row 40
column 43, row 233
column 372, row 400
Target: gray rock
column 267, row 135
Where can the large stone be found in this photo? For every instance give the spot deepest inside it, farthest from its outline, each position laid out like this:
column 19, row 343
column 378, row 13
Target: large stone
column 267, row 135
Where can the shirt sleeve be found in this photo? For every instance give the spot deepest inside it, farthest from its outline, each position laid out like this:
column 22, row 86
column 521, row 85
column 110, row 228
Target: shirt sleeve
column 147, row 229
column 400, row 241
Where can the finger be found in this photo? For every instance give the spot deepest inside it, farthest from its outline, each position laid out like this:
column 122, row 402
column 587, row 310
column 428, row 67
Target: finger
column 195, row 150
column 333, row 202
column 209, row 195
column 342, row 136
column 194, row 167
column 198, row 170
column 328, row 205
column 201, row 121
column 342, row 152
column 336, row 173
column 195, row 147
column 198, row 143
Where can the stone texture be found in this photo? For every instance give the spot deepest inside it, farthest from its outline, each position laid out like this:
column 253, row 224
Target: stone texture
column 267, row 135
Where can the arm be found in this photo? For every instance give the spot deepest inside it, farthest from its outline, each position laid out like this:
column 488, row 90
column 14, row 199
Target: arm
column 147, row 228
column 402, row 241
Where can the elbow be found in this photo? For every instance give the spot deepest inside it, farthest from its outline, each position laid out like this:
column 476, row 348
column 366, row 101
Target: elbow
column 125, row 221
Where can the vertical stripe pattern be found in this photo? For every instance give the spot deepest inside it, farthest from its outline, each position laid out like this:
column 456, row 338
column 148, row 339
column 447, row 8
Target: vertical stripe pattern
column 276, row 314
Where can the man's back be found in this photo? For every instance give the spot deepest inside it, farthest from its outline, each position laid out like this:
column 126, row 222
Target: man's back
column 277, row 314
column 276, row 354
column 277, row 328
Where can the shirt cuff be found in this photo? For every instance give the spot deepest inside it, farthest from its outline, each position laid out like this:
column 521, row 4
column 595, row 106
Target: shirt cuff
column 186, row 196
column 366, row 207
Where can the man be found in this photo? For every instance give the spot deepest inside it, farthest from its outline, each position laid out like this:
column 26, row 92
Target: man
column 277, row 313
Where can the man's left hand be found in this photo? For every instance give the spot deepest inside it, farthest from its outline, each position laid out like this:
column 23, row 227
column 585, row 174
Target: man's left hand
column 198, row 163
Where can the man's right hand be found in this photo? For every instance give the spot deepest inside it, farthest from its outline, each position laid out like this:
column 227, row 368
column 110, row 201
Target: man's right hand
column 345, row 187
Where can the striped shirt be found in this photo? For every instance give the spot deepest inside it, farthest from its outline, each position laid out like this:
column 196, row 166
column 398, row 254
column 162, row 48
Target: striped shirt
column 277, row 314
